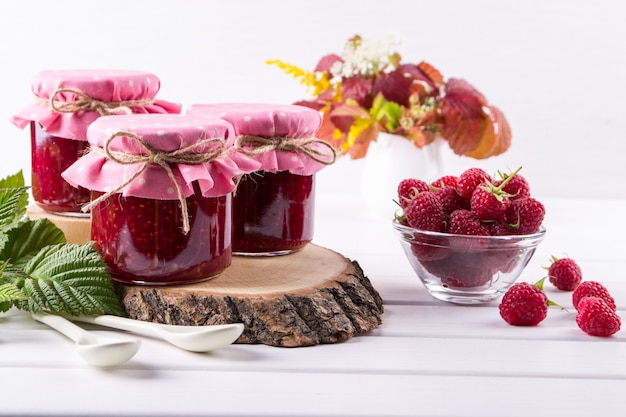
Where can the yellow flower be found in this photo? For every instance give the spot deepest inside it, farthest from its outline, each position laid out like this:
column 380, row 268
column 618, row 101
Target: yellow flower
column 316, row 82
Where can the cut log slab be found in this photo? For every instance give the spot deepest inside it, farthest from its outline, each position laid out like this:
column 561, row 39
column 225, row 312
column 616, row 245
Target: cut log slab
column 306, row 298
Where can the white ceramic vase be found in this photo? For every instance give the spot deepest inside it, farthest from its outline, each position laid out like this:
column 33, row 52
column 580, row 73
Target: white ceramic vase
column 389, row 160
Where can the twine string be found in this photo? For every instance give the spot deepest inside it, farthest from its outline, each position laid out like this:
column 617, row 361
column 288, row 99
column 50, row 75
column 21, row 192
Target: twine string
column 88, row 103
column 263, row 144
column 163, row 159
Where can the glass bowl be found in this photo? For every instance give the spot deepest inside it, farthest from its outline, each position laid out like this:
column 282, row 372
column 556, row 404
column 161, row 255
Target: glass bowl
column 466, row 269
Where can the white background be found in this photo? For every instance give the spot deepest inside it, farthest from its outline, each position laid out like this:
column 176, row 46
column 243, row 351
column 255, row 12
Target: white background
column 556, row 68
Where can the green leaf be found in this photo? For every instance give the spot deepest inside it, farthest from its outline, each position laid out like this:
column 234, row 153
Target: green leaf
column 28, row 238
column 9, row 294
column 13, row 181
column 69, row 279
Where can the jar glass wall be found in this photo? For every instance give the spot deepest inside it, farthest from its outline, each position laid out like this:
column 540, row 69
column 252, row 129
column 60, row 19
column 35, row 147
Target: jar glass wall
column 50, row 156
column 273, row 213
column 142, row 240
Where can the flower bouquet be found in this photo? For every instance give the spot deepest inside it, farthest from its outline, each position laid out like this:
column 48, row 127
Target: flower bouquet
column 367, row 90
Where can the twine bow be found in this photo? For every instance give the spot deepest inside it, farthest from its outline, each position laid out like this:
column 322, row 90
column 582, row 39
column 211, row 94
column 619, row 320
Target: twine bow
column 161, row 158
column 264, row 144
column 88, row 103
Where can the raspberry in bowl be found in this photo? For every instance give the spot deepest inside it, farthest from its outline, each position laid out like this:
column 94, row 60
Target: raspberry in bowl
column 468, row 250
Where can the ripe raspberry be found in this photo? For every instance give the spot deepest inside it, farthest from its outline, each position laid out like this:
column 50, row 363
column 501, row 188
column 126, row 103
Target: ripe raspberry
column 596, row 318
column 565, row 274
column 517, row 186
column 450, row 199
column 426, row 212
column 525, row 215
column 465, row 222
column 489, row 202
column 408, row 189
column 469, row 180
column 524, row 304
column 592, row 289
column 449, row 180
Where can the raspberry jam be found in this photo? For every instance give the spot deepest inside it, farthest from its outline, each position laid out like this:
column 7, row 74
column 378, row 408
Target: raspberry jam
column 51, row 155
column 273, row 213
column 142, row 242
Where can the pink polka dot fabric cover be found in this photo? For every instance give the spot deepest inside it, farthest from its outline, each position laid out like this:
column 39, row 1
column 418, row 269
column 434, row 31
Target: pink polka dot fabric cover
column 163, row 132
column 268, row 120
column 105, row 85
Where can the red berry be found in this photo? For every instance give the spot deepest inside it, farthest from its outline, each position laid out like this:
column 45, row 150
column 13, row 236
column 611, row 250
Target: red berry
column 525, row 215
column 426, row 212
column 565, row 274
column 450, row 199
column 465, row 222
column 592, row 289
column 469, row 180
column 516, row 187
column 596, row 318
column 524, row 304
column 408, row 189
column 489, row 203
column 449, row 180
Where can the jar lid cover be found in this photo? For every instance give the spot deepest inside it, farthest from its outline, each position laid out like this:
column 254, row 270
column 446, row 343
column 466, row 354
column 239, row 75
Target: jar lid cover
column 277, row 121
column 68, row 101
column 160, row 156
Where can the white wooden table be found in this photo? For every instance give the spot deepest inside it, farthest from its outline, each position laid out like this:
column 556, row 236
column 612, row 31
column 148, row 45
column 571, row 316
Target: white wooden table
column 428, row 358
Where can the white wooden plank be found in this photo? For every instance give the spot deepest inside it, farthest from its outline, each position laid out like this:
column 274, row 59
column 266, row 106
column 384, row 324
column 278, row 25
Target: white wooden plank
column 201, row 392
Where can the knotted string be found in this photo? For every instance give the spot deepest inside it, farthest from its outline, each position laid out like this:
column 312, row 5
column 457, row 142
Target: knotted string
column 264, row 144
column 161, row 158
column 88, row 103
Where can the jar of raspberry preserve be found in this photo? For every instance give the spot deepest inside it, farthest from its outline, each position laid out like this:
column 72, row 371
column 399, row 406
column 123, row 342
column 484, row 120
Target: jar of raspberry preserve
column 273, row 208
column 66, row 103
column 161, row 208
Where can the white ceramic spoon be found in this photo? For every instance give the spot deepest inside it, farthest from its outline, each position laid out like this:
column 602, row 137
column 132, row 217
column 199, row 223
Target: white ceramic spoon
column 191, row 338
column 96, row 350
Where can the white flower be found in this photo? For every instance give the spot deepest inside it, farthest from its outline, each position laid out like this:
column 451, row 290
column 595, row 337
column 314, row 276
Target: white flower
column 365, row 57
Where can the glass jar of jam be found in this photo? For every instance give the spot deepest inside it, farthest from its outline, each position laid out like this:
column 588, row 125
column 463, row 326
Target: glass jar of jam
column 161, row 206
column 273, row 208
column 66, row 103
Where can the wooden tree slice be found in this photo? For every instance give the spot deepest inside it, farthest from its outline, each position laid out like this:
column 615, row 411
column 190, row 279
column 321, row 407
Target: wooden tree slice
column 77, row 229
column 305, row 298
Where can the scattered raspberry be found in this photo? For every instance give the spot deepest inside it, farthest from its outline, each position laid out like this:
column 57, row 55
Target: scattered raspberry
column 426, row 212
column 592, row 289
column 596, row 318
column 525, row 215
column 469, row 180
column 565, row 274
column 524, row 304
column 408, row 189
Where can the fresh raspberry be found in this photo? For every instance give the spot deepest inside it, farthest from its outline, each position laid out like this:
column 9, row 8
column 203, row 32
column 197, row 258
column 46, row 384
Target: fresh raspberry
column 450, row 199
column 592, row 289
column 449, row 180
column 464, row 270
column 516, row 187
column 499, row 229
column 465, row 222
column 526, row 215
column 469, row 180
column 524, row 304
column 408, row 189
column 426, row 212
column 489, row 202
column 565, row 274
column 596, row 318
